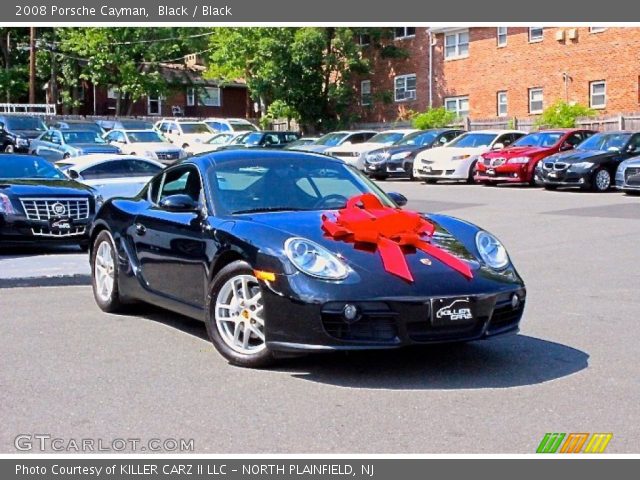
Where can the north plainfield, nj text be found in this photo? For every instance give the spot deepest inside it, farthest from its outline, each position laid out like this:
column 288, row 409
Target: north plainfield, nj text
column 174, row 11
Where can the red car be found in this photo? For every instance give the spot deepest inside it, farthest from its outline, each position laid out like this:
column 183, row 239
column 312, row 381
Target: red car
column 517, row 162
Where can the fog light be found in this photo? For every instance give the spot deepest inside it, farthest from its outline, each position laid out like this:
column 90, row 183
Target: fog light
column 515, row 301
column 350, row 312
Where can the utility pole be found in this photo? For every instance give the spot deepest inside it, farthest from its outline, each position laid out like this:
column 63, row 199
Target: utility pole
column 32, row 65
column 6, row 64
column 53, row 83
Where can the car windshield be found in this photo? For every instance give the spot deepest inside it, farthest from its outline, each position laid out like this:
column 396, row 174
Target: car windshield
column 136, row 125
column 387, row 138
column 539, row 139
column 473, row 140
column 25, row 123
column 145, row 136
column 303, row 183
column 242, row 126
column 331, row 139
column 23, row 166
column 418, row 139
column 605, row 141
column 189, row 128
column 253, row 138
column 93, row 127
column 220, row 139
column 73, row 137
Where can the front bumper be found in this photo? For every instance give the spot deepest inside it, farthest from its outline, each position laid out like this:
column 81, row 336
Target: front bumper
column 444, row 171
column 296, row 324
column 565, row 178
column 18, row 230
column 389, row 168
column 628, row 181
column 506, row 173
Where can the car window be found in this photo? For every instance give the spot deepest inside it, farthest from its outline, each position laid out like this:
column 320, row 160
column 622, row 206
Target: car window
column 506, row 140
column 195, row 128
column 56, row 138
column 290, row 137
column 46, row 137
column 81, row 136
column 634, row 144
column 102, row 170
column 181, row 181
column 473, row 140
column 574, row 139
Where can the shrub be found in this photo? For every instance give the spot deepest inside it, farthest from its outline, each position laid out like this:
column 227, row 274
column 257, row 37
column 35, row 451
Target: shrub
column 434, row 118
column 563, row 115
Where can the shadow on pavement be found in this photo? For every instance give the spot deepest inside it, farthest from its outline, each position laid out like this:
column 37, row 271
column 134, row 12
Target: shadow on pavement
column 512, row 361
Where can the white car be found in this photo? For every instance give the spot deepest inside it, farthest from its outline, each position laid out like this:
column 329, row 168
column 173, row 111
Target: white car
column 111, row 175
column 354, row 154
column 145, row 143
column 457, row 159
column 230, row 125
column 184, row 132
column 219, row 140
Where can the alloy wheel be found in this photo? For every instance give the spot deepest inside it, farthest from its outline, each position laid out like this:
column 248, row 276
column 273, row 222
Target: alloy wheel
column 239, row 315
column 603, row 180
column 104, row 271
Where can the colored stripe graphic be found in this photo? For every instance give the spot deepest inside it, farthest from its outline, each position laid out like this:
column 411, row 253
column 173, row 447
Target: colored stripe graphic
column 550, row 443
column 574, row 442
column 598, row 442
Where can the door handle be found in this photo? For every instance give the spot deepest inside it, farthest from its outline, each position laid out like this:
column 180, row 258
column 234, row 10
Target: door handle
column 140, row 229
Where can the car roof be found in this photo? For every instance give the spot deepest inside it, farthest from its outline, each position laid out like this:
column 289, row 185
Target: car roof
column 223, row 156
column 86, row 161
column 399, row 130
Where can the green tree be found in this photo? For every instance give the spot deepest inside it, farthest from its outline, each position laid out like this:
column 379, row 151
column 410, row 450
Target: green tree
column 433, row 118
column 14, row 62
column 563, row 115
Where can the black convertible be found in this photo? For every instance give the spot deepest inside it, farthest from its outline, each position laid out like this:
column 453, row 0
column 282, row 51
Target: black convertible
column 283, row 251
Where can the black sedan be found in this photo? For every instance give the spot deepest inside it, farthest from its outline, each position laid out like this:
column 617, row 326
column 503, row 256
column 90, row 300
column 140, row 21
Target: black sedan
column 592, row 164
column 39, row 204
column 397, row 160
column 283, row 251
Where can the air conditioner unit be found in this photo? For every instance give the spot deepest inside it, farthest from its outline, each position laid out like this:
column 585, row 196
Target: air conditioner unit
column 560, row 35
column 572, row 34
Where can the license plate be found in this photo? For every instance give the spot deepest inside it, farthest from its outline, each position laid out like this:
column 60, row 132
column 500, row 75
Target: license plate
column 452, row 311
column 553, row 175
column 61, row 224
column 491, row 172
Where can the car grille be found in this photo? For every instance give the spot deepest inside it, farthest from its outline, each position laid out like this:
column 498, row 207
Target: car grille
column 555, row 166
column 167, row 155
column 46, row 232
column 376, row 323
column 46, row 208
column 632, row 175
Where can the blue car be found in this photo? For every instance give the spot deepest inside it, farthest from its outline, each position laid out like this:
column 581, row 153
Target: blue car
column 55, row 145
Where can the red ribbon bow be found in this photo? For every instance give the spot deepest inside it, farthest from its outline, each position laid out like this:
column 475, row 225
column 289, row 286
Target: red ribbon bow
column 365, row 219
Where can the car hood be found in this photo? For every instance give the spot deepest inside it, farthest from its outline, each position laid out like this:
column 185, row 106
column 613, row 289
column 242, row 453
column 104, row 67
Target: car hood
column 27, row 133
column 194, row 137
column 512, row 152
column 359, row 147
column 575, row 156
column 632, row 162
column 42, row 187
column 154, row 147
column 95, row 147
column 269, row 231
column 446, row 153
column 314, row 148
column 394, row 149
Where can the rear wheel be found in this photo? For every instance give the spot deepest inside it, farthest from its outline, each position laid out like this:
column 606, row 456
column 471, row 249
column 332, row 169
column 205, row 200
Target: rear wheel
column 104, row 273
column 601, row 180
column 235, row 317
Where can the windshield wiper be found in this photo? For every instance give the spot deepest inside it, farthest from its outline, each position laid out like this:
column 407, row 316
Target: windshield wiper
column 268, row 209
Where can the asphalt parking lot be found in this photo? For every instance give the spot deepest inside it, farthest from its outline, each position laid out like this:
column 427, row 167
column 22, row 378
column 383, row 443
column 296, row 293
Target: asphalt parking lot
column 71, row 371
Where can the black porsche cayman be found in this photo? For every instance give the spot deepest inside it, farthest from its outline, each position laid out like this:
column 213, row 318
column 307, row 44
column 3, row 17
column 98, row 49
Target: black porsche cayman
column 283, row 251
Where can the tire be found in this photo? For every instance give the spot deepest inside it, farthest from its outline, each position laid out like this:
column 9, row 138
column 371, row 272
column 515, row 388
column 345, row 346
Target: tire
column 185, row 145
column 431, row 181
column 234, row 307
column 108, row 299
column 472, row 169
column 601, row 180
column 550, row 187
column 9, row 148
column 380, row 178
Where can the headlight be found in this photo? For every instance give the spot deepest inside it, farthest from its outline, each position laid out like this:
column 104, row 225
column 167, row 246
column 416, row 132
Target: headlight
column 22, row 142
column 314, row 260
column 5, row 204
column 400, row 156
column 491, row 250
column 519, row 160
column 583, row 165
column 460, row 157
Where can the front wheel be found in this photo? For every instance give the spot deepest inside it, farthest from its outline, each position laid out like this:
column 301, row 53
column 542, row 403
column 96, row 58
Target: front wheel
column 235, row 317
column 104, row 273
column 601, row 181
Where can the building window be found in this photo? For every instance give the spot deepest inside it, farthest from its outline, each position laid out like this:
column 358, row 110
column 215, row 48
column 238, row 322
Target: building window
column 365, row 92
column 536, row 104
column 364, row 39
column 502, row 104
column 404, row 32
column 210, row 97
column 502, row 36
column 154, row 105
column 597, row 29
column 456, row 44
column 535, row 34
column 598, row 94
column 112, row 93
column 459, row 105
column 405, row 87
column 191, row 97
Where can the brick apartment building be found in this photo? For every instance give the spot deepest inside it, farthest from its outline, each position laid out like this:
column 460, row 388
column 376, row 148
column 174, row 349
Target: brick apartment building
column 486, row 72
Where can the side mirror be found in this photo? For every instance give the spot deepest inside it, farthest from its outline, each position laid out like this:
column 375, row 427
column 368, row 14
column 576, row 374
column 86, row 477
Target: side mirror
column 179, row 203
column 566, row 146
column 497, row 146
column 398, row 198
column 73, row 174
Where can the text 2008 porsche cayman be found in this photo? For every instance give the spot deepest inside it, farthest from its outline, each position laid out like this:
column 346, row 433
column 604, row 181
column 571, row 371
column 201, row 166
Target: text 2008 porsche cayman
column 291, row 251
